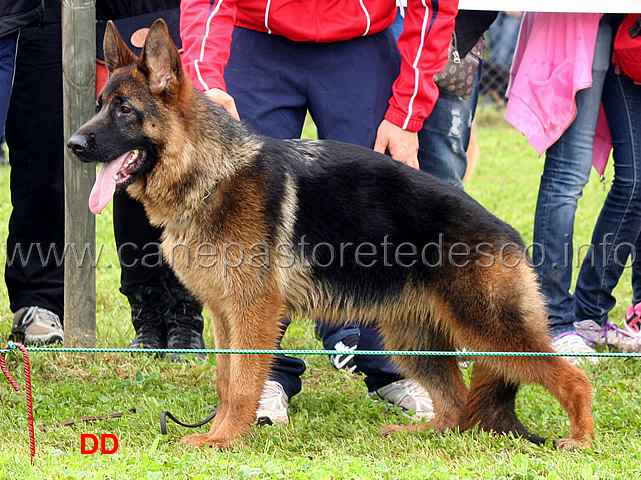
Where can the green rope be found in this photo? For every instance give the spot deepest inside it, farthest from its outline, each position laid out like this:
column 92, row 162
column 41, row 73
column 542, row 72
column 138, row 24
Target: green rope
column 319, row 352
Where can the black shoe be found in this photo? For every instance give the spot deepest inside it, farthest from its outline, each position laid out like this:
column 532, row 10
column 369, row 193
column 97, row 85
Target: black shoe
column 184, row 324
column 149, row 308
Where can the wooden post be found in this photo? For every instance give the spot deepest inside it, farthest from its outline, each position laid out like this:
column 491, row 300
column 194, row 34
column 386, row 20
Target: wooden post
column 79, row 85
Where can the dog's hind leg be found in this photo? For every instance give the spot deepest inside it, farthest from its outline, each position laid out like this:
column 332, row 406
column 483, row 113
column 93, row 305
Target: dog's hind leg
column 439, row 375
column 571, row 387
column 491, row 401
column 509, row 316
column 495, row 381
column 490, row 404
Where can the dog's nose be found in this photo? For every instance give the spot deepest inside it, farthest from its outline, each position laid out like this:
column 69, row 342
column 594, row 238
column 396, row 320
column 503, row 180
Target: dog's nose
column 77, row 143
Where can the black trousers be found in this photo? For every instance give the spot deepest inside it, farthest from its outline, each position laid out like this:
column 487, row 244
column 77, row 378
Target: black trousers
column 34, row 273
column 35, row 138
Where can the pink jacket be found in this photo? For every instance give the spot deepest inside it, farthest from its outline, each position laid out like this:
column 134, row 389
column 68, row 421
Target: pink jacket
column 553, row 60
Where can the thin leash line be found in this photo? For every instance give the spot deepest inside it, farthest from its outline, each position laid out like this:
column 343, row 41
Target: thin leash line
column 321, row 352
column 164, row 415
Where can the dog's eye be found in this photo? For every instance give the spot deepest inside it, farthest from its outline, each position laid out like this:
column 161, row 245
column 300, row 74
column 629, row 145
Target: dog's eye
column 125, row 109
column 98, row 105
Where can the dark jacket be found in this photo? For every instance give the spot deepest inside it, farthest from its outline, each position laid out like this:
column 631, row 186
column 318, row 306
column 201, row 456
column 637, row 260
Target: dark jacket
column 470, row 26
column 15, row 14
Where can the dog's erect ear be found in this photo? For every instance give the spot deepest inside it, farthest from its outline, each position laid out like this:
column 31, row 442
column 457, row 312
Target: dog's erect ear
column 117, row 53
column 160, row 60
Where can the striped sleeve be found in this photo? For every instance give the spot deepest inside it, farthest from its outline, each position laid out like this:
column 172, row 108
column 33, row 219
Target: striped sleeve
column 205, row 31
column 424, row 43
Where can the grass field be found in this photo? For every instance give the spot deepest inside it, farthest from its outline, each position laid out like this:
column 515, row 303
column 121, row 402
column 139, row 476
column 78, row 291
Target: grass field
column 332, row 433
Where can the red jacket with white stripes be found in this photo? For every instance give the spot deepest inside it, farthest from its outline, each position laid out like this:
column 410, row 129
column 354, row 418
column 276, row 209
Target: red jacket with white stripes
column 206, row 27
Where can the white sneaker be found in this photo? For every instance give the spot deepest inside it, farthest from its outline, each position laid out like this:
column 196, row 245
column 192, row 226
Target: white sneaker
column 571, row 342
column 272, row 406
column 410, row 396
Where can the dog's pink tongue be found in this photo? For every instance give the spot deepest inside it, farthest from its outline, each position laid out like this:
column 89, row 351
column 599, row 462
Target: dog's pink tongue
column 105, row 186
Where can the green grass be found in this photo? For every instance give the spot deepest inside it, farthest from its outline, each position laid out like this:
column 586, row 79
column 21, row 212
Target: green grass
column 332, row 434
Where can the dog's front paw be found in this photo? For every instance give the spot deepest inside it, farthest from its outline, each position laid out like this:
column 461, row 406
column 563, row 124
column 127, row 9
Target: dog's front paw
column 573, row 444
column 206, row 440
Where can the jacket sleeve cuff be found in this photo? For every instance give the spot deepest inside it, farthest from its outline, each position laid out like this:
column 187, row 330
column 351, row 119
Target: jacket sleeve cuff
column 399, row 118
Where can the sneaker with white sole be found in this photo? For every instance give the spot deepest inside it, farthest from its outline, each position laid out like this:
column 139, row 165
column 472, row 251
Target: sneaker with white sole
column 410, row 396
column 272, row 406
column 609, row 335
column 36, row 325
column 572, row 342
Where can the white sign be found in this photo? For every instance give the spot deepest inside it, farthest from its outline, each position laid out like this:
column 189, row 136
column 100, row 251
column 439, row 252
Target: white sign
column 589, row 6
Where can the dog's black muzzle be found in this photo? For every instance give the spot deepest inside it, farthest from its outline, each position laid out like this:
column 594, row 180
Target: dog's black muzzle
column 79, row 145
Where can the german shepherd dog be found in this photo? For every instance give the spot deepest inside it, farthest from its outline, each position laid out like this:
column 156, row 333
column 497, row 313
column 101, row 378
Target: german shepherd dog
column 322, row 229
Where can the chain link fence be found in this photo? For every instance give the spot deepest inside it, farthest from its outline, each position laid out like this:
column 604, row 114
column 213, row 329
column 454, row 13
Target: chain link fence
column 500, row 41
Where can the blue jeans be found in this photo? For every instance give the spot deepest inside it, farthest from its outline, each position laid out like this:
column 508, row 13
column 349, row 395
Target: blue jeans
column 445, row 136
column 566, row 171
column 615, row 239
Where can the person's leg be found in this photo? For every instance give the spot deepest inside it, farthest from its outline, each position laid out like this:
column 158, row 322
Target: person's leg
column 33, row 274
column 632, row 321
column 343, row 339
column 347, row 105
column 636, row 272
column 384, row 382
column 377, row 373
column 142, row 272
column 504, row 33
column 350, row 84
column 267, row 85
column 619, row 223
column 291, row 68
column 566, row 171
column 445, row 136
